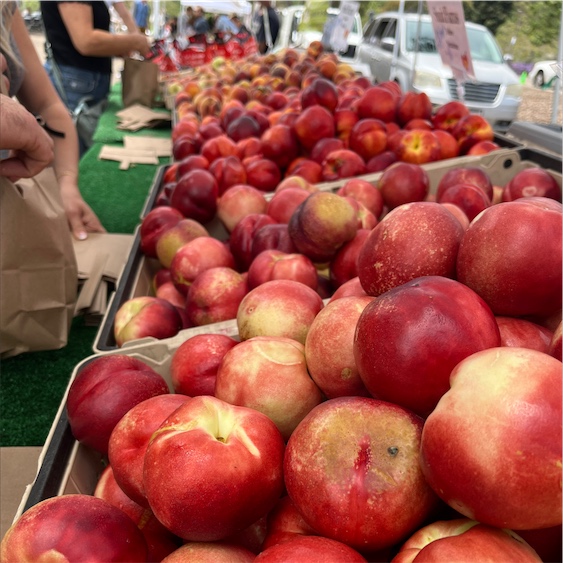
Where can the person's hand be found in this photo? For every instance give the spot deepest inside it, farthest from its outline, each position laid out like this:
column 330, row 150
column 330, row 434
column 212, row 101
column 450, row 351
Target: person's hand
column 31, row 148
column 81, row 219
column 142, row 44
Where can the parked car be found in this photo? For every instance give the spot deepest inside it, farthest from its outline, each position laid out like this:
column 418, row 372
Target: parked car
column 542, row 73
column 496, row 94
column 33, row 21
column 297, row 31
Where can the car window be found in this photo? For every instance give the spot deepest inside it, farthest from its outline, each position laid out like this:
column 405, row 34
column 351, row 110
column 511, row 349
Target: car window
column 383, row 28
column 370, row 28
column 482, row 44
column 390, row 29
column 420, row 36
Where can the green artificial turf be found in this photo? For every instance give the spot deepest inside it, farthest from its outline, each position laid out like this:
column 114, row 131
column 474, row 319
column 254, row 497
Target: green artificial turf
column 32, row 385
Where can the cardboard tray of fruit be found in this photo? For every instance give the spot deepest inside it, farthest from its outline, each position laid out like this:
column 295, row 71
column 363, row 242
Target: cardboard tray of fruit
column 65, row 466
column 138, row 273
column 503, row 141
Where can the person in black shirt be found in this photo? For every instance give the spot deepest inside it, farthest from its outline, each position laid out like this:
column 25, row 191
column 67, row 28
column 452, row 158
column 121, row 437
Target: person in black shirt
column 82, row 48
column 267, row 30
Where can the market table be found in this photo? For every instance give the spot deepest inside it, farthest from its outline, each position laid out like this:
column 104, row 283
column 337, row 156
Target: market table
column 32, row 384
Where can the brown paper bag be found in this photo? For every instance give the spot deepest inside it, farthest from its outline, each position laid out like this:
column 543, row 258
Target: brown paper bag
column 139, row 83
column 38, row 272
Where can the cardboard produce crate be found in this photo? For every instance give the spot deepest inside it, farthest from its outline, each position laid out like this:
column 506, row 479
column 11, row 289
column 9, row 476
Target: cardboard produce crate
column 505, row 142
column 138, row 272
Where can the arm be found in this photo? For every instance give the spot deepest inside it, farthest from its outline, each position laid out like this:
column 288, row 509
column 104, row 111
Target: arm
column 92, row 42
column 39, row 96
column 124, row 13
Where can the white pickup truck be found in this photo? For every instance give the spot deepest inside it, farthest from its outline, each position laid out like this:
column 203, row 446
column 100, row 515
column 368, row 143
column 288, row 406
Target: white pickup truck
column 295, row 34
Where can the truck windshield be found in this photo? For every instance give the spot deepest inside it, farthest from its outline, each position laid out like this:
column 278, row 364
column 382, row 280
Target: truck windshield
column 482, row 44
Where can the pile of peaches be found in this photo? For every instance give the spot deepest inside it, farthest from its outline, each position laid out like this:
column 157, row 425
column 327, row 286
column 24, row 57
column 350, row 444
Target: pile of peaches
column 307, row 114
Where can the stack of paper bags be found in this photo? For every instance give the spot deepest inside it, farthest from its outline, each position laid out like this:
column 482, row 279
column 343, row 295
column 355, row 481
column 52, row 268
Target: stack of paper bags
column 100, row 258
column 137, row 150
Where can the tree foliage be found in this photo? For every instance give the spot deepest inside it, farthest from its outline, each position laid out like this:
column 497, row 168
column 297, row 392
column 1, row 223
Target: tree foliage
column 541, row 22
column 489, row 14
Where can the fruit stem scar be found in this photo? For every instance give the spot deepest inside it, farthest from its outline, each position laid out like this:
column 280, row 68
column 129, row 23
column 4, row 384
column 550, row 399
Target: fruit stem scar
column 392, row 451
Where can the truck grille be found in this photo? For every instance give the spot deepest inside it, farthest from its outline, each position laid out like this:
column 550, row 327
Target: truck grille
column 480, row 92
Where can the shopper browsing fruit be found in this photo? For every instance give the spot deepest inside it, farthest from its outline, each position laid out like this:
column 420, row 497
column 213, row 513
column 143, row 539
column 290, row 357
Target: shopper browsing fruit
column 81, row 50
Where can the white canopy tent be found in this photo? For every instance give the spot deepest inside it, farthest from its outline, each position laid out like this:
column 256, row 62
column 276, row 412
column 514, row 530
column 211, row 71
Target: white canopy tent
column 240, row 7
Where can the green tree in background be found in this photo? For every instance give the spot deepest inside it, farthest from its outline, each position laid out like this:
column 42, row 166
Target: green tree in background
column 489, row 14
column 542, row 22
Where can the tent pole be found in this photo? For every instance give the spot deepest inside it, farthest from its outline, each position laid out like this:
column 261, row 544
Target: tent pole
column 557, row 89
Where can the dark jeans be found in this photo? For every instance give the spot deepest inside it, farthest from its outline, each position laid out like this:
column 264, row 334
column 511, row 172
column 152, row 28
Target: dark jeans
column 79, row 84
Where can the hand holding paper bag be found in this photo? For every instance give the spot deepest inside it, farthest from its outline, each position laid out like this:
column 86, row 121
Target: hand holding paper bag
column 31, row 149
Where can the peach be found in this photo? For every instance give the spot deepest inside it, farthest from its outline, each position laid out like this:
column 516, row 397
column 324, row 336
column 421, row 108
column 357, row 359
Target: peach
column 520, row 333
column 365, row 192
column 368, row 138
column 413, row 105
column 305, row 168
column 215, row 295
column 413, row 240
column 269, row 374
column 273, row 264
column 523, row 425
column 470, row 199
column 529, row 182
column 329, row 348
column 378, row 103
column 279, row 144
column 103, row 391
column 73, row 528
column 129, row 440
column 307, row 548
column 462, row 539
column 351, row 468
column 465, row 175
column 344, row 266
column 173, row 238
column 239, row 201
column 415, row 374
column 144, row 316
column 228, row 171
column 403, row 182
column 228, row 469
column 195, row 362
column 280, row 308
column 196, row 256
column 322, row 224
column 511, row 256
column 342, row 164
column 224, row 552
column 313, row 124
column 448, row 114
column 160, row 541
column 154, row 224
